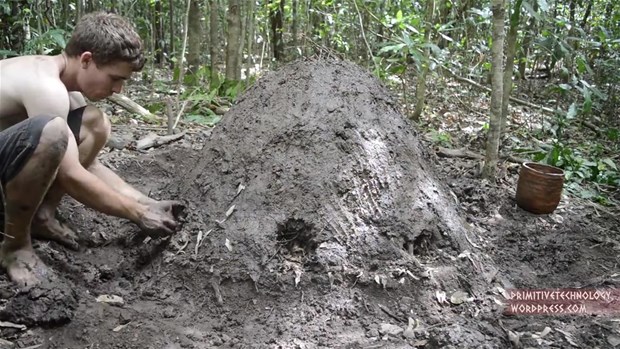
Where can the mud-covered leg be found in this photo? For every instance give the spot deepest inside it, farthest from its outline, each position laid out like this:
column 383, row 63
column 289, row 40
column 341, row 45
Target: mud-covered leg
column 93, row 135
column 23, row 195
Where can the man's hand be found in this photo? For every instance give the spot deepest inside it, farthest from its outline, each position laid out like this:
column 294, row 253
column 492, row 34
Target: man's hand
column 161, row 218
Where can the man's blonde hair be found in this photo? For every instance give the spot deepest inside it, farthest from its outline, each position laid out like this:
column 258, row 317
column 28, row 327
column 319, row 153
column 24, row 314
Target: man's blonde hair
column 109, row 37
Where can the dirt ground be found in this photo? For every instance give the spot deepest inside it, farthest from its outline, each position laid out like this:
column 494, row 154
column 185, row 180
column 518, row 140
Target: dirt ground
column 317, row 218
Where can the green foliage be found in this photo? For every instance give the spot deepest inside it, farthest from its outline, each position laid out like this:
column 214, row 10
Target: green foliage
column 580, row 167
column 441, row 138
column 50, row 42
column 583, row 164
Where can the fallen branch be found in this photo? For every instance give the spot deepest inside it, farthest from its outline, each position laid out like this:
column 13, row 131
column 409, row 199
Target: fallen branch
column 468, row 154
column 130, row 105
column 514, row 99
column 152, row 140
column 593, row 127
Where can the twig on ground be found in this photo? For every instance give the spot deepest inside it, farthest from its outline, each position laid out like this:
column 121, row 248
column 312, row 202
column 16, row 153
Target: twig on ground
column 152, row 140
column 468, row 154
column 392, row 315
column 179, row 114
column 215, row 283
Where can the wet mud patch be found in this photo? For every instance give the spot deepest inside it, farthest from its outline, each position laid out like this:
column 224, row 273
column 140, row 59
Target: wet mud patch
column 50, row 304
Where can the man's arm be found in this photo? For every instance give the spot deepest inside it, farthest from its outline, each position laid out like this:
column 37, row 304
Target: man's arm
column 50, row 97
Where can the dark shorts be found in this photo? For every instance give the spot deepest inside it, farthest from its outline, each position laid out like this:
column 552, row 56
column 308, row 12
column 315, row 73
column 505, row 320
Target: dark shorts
column 18, row 142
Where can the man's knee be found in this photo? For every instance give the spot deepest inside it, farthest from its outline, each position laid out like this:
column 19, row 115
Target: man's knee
column 54, row 137
column 96, row 124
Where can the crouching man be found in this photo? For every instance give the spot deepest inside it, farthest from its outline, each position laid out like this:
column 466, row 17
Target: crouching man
column 50, row 139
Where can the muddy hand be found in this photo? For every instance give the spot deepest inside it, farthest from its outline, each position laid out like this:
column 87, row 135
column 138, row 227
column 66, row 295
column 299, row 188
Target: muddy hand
column 161, row 218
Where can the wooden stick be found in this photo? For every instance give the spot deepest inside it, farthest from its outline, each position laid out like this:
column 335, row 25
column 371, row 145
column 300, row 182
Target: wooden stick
column 153, row 140
column 170, row 116
column 468, row 154
column 130, row 105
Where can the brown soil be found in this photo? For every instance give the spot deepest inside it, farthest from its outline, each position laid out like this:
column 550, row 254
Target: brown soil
column 325, row 224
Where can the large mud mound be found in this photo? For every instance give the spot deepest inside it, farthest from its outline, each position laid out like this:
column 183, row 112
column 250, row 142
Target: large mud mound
column 321, row 167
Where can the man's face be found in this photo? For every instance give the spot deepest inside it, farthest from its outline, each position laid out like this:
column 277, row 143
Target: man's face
column 97, row 82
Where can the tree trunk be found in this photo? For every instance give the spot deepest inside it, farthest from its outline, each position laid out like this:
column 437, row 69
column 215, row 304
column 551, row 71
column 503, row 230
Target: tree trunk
column 215, row 43
column 294, row 25
column 243, row 19
column 584, row 21
column 79, row 9
column 250, row 26
column 234, row 40
column 511, row 43
column 444, row 17
column 497, row 50
column 421, row 88
column 181, row 60
column 194, row 39
column 159, row 32
column 171, row 28
column 277, row 23
column 526, row 43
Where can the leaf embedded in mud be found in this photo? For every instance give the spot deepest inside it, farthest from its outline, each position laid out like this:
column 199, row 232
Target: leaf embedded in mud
column 441, row 297
column 614, row 341
column 297, row 277
column 6, row 344
column 230, row 211
column 240, row 188
column 119, row 327
column 389, row 329
column 545, row 332
column 503, row 292
column 110, row 299
column 228, row 245
column 198, row 242
column 6, row 324
column 514, row 338
column 569, row 337
column 458, row 297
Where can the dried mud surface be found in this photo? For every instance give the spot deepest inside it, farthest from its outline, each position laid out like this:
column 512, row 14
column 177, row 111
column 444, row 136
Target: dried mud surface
column 316, row 219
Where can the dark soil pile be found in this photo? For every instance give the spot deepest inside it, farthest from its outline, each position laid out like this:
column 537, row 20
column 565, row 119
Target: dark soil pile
column 316, row 164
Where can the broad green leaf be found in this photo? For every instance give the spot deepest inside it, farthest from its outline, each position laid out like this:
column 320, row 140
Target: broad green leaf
column 446, row 37
column 392, row 48
column 564, row 87
column 542, row 4
column 407, row 39
column 613, row 134
column 528, row 7
column 587, row 104
column 609, row 162
column 589, row 164
column 581, row 65
column 587, row 194
column 572, row 112
column 399, row 16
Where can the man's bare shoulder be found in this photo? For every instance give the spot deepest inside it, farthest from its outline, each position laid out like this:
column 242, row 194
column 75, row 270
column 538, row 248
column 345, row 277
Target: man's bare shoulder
column 26, row 77
column 18, row 68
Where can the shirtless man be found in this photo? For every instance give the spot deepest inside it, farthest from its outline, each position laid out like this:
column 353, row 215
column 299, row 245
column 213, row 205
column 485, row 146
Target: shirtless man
column 50, row 139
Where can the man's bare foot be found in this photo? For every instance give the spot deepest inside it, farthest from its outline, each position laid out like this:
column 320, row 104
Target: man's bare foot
column 24, row 267
column 53, row 229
